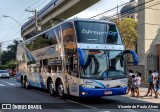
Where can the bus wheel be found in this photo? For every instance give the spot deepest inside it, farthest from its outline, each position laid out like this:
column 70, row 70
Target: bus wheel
column 60, row 89
column 22, row 82
column 26, row 85
column 23, row 85
column 51, row 88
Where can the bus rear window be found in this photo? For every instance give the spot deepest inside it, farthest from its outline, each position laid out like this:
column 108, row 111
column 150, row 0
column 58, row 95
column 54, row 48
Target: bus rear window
column 97, row 33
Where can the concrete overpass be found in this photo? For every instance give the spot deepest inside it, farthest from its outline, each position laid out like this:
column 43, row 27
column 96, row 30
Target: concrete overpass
column 53, row 13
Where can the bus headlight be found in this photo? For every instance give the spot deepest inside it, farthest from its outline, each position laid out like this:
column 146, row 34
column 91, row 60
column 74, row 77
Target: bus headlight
column 88, row 86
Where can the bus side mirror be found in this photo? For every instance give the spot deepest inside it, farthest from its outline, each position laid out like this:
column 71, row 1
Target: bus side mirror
column 134, row 55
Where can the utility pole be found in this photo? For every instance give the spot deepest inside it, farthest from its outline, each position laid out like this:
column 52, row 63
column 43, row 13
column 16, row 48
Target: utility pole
column 37, row 27
column 117, row 13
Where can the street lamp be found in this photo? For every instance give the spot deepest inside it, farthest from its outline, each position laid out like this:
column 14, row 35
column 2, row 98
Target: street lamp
column 12, row 18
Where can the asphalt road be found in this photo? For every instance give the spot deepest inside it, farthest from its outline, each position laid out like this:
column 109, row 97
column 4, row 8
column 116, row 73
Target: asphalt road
column 12, row 92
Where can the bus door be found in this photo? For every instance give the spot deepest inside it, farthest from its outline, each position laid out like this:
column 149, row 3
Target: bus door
column 74, row 76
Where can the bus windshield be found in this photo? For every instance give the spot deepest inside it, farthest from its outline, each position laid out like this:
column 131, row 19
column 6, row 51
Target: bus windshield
column 100, row 64
column 97, row 33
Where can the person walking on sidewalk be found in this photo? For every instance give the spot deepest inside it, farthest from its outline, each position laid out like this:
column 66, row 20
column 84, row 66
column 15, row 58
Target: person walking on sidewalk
column 157, row 84
column 138, row 83
column 155, row 77
column 150, row 81
column 133, row 86
column 129, row 80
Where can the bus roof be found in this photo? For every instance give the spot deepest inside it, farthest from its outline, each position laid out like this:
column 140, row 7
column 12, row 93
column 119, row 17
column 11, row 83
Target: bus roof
column 93, row 20
column 70, row 20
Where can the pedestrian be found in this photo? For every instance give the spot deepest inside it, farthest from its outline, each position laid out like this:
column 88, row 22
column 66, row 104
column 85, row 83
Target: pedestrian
column 136, row 74
column 150, row 81
column 130, row 73
column 157, row 84
column 138, row 83
column 155, row 77
column 133, row 86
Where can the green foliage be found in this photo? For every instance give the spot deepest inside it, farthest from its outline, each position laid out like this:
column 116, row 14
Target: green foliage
column 39, row 42
column 3, row 67
column 11, row 66
column 128, row 31
column 9, row 54
column 11, row 62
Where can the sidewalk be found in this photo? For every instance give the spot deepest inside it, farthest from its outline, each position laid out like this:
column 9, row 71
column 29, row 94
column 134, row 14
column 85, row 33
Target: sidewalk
column 143, row 91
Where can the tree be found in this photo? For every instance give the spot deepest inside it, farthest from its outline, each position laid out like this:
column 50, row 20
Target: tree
column 13, row 49
column 128, row 31
column 10, row 54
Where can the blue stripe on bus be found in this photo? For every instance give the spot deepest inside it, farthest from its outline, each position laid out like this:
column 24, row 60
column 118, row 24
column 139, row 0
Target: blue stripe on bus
column 37, row 82
column 99, row 83
column 31, row 83
column 93, row 92
column 41, row 79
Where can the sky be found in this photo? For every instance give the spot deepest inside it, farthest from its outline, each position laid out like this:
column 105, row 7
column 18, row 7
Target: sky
column 10, row 29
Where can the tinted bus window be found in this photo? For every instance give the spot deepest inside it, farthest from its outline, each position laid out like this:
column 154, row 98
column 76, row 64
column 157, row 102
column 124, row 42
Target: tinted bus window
column 29, row 45
column 97, row 33
column 68, row 32
column 41, row 41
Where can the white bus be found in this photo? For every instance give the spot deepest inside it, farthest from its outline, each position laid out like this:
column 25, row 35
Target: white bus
column 79, row 57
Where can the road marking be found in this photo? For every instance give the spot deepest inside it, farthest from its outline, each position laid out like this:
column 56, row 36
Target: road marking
column 82, row 104
column 7, row 82
column 18, row 84
column 2, row 85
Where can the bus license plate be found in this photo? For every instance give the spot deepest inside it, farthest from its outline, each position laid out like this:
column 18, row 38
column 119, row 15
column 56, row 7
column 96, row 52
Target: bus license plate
column 108, row 92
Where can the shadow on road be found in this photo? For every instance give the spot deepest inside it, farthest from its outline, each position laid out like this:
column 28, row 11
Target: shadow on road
column 99, row 100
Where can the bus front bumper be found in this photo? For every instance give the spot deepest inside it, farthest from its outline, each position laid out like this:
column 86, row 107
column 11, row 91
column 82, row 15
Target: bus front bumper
column 94, row 92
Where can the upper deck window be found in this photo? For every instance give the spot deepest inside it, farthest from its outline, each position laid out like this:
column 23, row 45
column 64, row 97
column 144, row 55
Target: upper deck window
column 97, row 33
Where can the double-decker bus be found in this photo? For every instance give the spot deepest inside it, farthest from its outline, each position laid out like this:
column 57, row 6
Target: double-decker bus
column 79, row 57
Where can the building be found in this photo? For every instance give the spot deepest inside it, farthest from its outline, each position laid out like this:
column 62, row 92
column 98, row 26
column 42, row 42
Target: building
column 149, row 34
column 129, row 10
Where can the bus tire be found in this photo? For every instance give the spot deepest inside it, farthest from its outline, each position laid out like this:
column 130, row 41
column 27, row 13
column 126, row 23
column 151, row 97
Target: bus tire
column 26, row 84
column 51, row 88
column 22, row 82
column 23, row 85
column 60, row 89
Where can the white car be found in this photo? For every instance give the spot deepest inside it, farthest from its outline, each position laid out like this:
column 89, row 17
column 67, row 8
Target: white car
column 4, row 74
